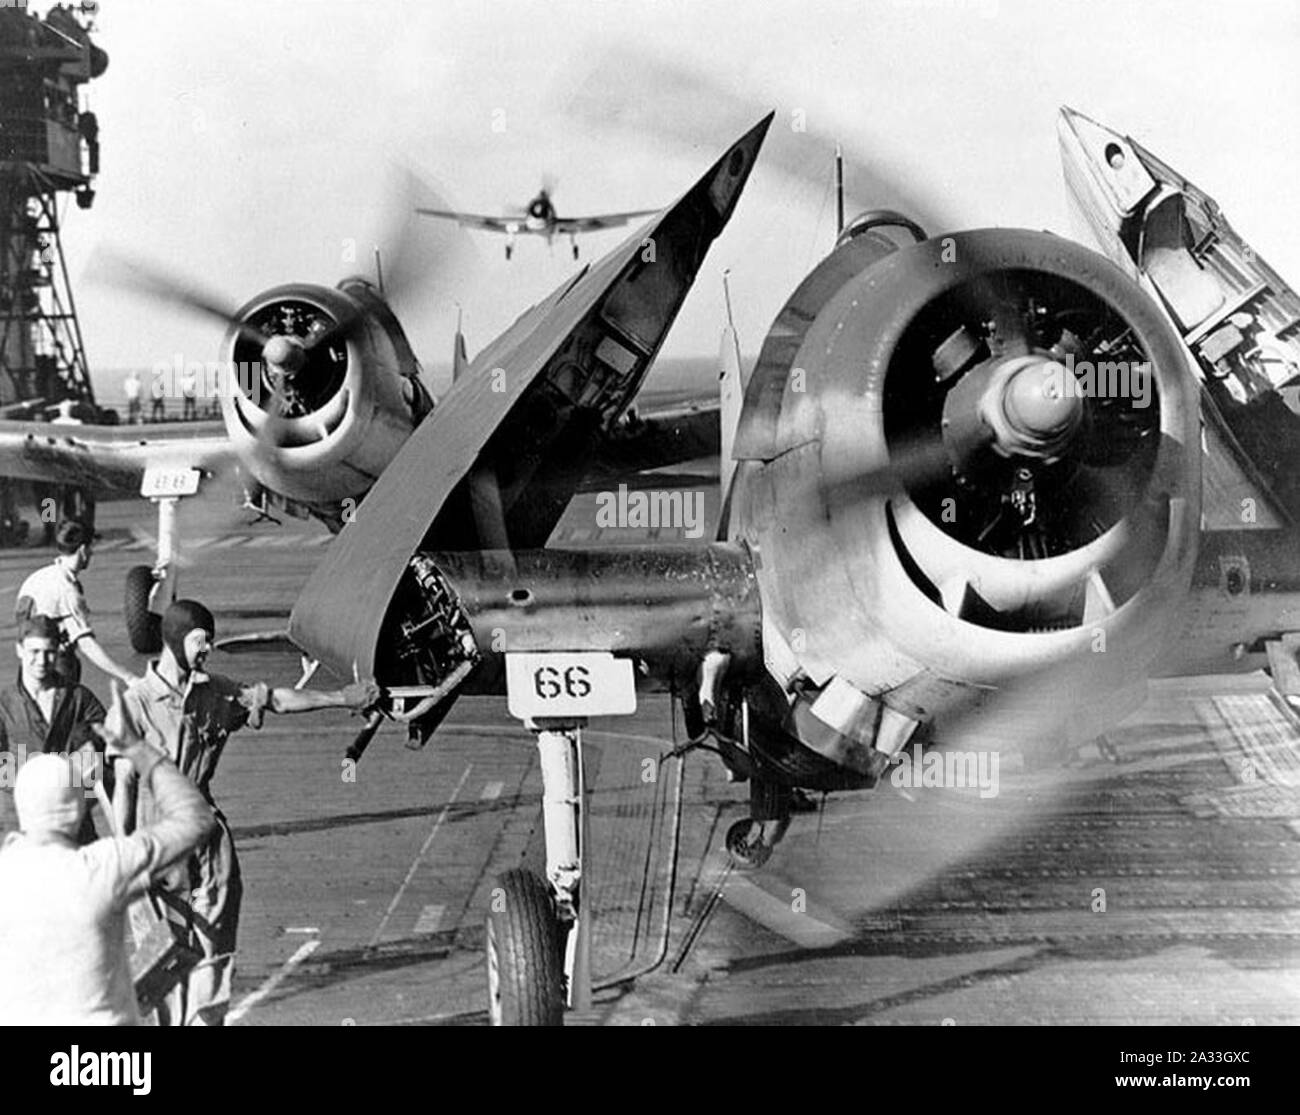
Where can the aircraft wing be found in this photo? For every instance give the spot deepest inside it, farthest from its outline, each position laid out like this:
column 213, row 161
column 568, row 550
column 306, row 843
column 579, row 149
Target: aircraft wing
column 1236, row 316
column 477, row 220
column 108, row 461
column 605, row 220
column 665, row 428
column 496, row 464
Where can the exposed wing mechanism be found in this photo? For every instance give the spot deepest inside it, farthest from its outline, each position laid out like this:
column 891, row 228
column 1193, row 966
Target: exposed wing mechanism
column 499, row 459
column 1237, row 317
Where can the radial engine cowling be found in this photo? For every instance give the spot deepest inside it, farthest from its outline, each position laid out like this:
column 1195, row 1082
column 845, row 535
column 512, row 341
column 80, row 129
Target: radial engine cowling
column 319, row 408
column 970, row 473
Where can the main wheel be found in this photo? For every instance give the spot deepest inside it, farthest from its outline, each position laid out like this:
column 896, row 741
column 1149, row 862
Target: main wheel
column 525, row 970
column 143, row 627
column 744, row 847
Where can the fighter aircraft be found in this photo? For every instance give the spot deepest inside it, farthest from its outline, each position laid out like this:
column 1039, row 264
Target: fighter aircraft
column 963, row 508
column 538, row 218
column 931, row 535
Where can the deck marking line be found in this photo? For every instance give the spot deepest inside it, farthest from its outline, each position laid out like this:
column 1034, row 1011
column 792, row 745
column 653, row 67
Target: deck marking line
column 415, row 863
column 272, row 981
column 429, row 920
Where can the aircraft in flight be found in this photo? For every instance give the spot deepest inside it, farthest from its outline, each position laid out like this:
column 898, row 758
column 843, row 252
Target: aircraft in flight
column 538, row 218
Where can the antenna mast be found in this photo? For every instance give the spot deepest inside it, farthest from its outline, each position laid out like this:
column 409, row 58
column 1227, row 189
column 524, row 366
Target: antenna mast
column 839, row 189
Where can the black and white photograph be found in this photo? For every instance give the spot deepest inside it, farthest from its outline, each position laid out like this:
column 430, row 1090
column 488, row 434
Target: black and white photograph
column 648, row 513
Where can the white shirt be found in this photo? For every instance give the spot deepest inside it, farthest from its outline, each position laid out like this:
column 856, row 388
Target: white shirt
column 55, row 592
column 63, row 930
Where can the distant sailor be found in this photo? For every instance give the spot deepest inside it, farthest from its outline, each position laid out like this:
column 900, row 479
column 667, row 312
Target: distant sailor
column 56, row 591
column 131, row 388
column 190, row 394
column 158, row 393
column 189, row 715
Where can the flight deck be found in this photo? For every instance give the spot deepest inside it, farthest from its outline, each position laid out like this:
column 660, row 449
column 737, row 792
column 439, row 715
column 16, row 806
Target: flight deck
column 1153, row 879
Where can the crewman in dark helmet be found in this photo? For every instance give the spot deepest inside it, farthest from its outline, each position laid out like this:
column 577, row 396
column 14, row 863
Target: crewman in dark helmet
column 188, row 715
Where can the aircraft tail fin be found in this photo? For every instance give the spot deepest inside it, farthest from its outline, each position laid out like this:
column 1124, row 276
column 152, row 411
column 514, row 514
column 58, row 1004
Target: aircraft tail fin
column 731, row 390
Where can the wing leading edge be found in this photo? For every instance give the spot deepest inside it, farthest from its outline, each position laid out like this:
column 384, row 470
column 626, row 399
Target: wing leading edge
column 107, row 461
column 605, row 220
column 477, row 220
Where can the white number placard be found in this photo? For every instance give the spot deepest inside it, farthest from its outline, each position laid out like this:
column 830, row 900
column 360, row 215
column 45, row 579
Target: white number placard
column 577, row 683
column 159, row 482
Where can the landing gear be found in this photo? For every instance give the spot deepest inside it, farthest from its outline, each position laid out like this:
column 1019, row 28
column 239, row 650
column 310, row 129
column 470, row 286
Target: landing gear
column 750, row 841
column 145, row 585
column 573, row 241
column 76, row 504
column 143, row 627
column 510, row 249
column 539, row 933
column 258, row 500
column 525, row 972
column 746, row 846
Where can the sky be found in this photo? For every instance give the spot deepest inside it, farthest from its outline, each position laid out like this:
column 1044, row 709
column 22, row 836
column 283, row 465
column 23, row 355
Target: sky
column 248, row 143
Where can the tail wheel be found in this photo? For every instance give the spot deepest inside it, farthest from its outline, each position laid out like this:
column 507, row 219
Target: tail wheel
column 143, row 627
column 525, row 970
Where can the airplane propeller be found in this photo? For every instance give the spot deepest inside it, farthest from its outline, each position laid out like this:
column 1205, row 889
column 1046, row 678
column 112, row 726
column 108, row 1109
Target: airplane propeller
column 405, row 261
column 113, row 267
column 634, row 93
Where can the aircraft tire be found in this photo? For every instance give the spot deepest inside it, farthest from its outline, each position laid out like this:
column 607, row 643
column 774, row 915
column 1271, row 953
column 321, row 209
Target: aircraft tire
column 143, row 627
column 745, row 855
column 525, row 970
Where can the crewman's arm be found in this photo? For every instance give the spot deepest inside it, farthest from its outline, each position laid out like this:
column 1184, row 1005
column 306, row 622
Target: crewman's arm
column 184, row 819
column 78, row 631
column 126, row 786
column 359, row 695
column 89, row 646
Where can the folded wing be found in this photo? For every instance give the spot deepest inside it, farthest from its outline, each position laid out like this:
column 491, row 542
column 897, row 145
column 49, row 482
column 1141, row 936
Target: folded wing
column 495, row 465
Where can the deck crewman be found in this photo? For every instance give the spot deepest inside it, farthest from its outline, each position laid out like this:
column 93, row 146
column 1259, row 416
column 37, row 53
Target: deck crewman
column 55, row 591
column 40, row 713
column 188, row 715
column 63, row 920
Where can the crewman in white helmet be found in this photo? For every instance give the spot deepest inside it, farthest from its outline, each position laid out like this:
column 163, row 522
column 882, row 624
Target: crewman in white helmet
column 63, row 920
